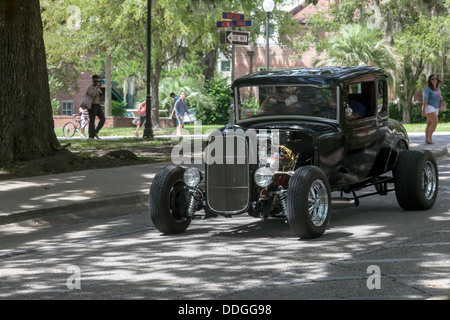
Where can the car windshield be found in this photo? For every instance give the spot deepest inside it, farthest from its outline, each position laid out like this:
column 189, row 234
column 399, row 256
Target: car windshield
column 302, row 100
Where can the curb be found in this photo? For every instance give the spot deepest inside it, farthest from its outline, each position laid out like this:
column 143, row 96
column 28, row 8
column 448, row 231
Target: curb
column 132, row 201
column 438, row 153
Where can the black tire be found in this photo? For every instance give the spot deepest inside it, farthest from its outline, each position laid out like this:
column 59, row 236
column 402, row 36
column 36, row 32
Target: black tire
column 169, row 201
column 308, row 202
column 416, row 180
column 69, row 129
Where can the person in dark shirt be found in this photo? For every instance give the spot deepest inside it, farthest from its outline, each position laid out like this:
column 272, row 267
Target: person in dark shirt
column 180, row 110
column 359, row 110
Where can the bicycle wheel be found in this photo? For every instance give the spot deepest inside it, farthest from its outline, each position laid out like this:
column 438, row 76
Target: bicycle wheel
column 69, row 129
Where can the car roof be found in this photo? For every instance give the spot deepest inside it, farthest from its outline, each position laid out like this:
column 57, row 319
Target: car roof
column 315, row 76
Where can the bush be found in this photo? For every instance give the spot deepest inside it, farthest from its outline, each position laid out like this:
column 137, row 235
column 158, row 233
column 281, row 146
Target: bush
column 220, row 92
column 118, row 109
column 395, row 111
column 55, row 106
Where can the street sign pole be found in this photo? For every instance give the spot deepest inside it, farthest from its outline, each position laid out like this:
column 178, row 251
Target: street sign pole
column 267, row 40
column 233, row 56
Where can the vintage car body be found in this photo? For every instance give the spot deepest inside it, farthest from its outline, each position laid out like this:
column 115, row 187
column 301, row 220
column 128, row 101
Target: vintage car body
column 295, row 137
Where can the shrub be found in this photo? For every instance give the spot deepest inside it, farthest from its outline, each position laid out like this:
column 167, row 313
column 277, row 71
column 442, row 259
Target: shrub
column 118, row 109
column 217, row 113
column 55, row 106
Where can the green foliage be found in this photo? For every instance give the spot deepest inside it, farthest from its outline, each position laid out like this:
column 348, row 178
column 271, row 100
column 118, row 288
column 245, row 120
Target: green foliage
column 413, row 30
column 220, row 92
column 55, row 106
column 355, row 44
column 182, row 34
column 195, row 97
column 396, row 112
column 118, row 109
column 445, row 92
column 251, row 104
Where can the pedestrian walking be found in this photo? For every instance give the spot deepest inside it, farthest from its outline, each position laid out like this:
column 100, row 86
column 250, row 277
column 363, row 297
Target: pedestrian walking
column 84, row 117
column 432, row 101
column 96, row 110
column 172, row 114
column 142, row 116
column 180, row 110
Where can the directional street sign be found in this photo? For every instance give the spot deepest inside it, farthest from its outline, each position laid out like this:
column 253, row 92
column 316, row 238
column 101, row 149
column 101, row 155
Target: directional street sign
column 237, row 38
column 226, row 24
column 243, row 23
column 232, row 16
column 234, row 23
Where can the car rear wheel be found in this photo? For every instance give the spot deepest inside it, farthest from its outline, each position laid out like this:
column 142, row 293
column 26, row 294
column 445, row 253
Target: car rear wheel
column 416, row 180
column 308, row 202
column 169, row 201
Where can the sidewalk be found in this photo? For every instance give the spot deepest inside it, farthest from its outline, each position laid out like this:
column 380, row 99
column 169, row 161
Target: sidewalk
column 439, row 149
column 27, row 198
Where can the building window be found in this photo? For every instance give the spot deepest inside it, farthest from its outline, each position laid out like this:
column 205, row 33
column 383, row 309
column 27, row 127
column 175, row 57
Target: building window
column 225, row 66
column 67, row 108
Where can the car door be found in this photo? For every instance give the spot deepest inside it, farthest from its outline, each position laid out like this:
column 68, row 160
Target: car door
column 360, row 133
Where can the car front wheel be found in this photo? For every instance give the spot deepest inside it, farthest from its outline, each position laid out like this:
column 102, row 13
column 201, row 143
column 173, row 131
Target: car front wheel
column 308, row 202
column 168, row 201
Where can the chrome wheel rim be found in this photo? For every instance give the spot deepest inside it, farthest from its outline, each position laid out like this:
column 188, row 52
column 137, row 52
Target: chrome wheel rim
column 429, row 180
column 318, row 203
column 177, row 201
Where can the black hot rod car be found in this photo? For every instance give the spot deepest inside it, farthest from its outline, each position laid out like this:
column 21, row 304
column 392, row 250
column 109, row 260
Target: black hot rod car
column 295, row 137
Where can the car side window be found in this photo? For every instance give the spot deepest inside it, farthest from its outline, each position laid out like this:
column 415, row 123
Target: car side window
column 382, row 99
column 360, row 99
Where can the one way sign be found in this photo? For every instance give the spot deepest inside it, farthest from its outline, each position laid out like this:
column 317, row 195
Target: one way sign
column 237, row 38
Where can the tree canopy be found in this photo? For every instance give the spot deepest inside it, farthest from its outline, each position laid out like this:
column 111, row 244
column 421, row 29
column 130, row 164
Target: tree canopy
column 182, row 32
column 414, row 32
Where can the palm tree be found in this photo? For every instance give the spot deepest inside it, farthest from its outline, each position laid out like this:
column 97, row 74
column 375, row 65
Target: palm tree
column 355, row 44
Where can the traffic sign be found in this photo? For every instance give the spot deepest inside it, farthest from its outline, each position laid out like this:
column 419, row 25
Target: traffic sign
column 237, row 38
column 234, row 23
column 232, row 16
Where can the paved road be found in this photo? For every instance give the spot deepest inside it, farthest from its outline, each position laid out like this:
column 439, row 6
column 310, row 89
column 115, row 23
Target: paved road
column 119, row 255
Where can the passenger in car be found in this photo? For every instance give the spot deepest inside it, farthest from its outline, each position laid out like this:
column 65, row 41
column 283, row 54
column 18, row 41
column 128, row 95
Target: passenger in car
column 359, row 110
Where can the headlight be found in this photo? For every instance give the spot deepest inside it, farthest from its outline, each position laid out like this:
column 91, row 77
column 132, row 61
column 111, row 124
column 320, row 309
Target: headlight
column 192, row 177
column 263, row 177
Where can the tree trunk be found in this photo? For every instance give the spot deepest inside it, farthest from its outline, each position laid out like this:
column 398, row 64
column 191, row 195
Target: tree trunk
column 26, row 122
column 210, row 60
column 412, row 70
column 156, row 77
column 108, row 110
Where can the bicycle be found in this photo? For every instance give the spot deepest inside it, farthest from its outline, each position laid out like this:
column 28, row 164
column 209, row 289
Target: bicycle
column 70, row 128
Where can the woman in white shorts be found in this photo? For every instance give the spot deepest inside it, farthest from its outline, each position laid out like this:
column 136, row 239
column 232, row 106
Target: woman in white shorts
column 431, row 100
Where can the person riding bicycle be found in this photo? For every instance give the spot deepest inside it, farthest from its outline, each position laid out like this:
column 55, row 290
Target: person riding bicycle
column 84, row 116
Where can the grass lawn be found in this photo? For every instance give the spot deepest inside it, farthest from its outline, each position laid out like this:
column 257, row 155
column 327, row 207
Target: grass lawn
column 420, row 127
column 129, row 132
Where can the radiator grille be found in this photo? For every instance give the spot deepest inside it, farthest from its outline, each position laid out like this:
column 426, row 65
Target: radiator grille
column 228, row 180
